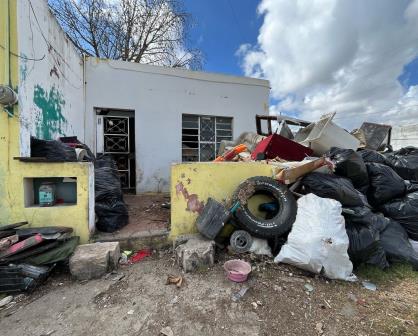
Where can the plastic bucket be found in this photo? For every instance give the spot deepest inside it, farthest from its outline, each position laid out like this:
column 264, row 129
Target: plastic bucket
column 237, row 270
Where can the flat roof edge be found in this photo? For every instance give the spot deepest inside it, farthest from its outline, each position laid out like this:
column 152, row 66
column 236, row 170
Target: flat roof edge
column 178, row 72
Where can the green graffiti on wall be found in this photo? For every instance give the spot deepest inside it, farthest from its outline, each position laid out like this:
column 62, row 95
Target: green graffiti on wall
column 51, row 120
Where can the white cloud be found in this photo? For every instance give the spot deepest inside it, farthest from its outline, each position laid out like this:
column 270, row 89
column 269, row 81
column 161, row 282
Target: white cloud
column 337, row 55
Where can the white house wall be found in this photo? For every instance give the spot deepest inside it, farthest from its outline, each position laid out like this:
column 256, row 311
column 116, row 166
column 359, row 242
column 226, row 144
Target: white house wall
column 51, row 102
column 159, row 97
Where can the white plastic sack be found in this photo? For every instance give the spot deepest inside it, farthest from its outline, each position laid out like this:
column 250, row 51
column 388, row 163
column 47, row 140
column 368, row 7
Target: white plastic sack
column 318, row 241
column 260, row 247
column 414, row 244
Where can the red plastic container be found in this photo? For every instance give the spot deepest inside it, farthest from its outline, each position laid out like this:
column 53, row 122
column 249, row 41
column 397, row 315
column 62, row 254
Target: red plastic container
column 277, row 146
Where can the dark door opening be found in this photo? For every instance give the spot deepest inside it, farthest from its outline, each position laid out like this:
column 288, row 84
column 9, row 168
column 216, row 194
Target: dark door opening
column 115, row 135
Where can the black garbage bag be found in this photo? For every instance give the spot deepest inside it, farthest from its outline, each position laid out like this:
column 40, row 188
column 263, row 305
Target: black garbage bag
column 411, row 186
column 106, row 179
column 372, row 156
column 385, row 184
column 405, row 162
column 363, row 216
column 332, row 186
column 111, row 210
column 112, row 215
column 364, row 246
column 405, row 211
column 52, row 150
column 394, row 241
column 350, row 164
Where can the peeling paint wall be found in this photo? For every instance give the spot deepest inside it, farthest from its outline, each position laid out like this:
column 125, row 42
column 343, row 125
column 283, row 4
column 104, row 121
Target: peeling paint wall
column 159, row 96
column 51, row 93
column 193, row 183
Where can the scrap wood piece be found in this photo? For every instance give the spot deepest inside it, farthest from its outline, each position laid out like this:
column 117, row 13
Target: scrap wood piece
column 8, row 241
column 8, row 233
column 12, row 226
column 291, row 174
column 175, row 280
column 22, row 245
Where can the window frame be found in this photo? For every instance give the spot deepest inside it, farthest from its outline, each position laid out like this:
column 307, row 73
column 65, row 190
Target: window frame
column 199, row 142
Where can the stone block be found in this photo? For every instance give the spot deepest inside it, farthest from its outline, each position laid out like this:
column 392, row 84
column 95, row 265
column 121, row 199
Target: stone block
column 91, row 261
column 195, row 253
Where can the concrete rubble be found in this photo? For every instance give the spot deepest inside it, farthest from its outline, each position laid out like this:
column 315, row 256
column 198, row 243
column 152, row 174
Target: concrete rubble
column 92, row 261
column 197, row 252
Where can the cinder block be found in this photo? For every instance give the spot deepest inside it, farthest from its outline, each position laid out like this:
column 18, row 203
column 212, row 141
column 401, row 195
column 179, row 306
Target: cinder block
column 92, row 261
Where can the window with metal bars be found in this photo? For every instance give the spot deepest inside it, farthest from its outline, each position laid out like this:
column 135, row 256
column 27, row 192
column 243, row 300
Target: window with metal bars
column 202, row 135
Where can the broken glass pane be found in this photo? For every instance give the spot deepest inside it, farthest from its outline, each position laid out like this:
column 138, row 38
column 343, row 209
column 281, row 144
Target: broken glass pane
column 190, row 121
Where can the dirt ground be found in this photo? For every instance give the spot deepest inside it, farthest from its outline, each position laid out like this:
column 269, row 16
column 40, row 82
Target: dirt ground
column 278, row 302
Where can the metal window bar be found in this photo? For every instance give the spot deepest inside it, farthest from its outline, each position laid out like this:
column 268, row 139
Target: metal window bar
column 227, row 127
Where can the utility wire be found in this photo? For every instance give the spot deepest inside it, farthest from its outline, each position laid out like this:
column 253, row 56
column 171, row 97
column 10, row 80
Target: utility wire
column 50, row 46
column 24, row 57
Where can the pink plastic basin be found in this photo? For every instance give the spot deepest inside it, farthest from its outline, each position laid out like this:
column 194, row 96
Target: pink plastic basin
column 237, row 270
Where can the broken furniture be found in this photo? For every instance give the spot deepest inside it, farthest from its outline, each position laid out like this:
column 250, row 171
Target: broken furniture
column 276, row 145
column 324, row 134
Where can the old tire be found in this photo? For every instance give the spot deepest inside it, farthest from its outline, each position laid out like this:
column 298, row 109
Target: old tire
column 265, row 228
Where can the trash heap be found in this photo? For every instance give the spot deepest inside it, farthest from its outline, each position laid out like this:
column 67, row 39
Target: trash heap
column 335, row 202
column 27, row 255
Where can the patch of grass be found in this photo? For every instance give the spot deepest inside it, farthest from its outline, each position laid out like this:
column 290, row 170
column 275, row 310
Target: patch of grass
column 393, row 273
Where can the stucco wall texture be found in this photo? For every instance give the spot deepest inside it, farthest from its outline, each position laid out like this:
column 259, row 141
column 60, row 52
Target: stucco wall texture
column 50, row 77
column 159, row 96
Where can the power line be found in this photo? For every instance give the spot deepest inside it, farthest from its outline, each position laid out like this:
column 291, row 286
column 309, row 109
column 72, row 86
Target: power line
column 238, row 23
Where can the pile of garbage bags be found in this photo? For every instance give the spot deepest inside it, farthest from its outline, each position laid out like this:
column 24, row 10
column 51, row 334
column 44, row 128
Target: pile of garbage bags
column 380, row 207
column 376, row 194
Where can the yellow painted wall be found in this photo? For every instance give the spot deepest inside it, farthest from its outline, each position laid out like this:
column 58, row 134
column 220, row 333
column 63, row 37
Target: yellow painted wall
column 12, row 172
column 206, row 179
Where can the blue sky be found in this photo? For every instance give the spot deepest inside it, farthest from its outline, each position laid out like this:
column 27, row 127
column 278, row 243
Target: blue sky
column 221, row 26
column 320, row 57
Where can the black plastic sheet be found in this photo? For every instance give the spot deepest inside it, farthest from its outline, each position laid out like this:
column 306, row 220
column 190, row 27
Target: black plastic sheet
column 52, row 150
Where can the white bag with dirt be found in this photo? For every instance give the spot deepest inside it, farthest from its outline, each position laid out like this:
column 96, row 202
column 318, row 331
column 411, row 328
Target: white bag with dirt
column 318, row 241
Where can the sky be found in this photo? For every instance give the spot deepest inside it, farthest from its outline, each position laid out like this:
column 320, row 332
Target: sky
column 358, row 58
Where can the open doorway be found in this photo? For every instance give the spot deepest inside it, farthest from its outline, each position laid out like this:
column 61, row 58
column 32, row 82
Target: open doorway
column 115, row 135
